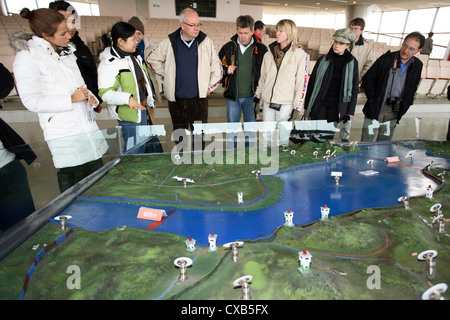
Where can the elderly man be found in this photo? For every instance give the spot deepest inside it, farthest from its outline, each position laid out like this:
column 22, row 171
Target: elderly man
column 390, row 85
column 190, row 69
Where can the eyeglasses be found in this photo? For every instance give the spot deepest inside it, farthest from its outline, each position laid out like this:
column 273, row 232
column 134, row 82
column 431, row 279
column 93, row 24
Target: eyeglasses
column 133, row 39
column 199, row 25
column 404, row 46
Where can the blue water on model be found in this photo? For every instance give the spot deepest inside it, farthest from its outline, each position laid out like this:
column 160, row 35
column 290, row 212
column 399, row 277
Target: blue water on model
column 305, row 190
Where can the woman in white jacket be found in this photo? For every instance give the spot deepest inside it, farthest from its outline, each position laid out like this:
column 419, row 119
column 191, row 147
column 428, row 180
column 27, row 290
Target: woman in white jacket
column 50, row 84
column 284, row 75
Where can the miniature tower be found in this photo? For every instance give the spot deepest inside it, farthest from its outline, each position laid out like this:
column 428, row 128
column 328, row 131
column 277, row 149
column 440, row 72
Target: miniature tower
column 244, row 282
column 212, row 239
column 63, row 221
column 182, row 263
column 429, row 193
column 441, row 226
column 190, row 244
column 429, row 256
column 435, row 292
column 288, row 218
column 405, row 201
column 256, row 173
column 240, row 196
column 234, row 249
column 305, row 261
column 325, row 211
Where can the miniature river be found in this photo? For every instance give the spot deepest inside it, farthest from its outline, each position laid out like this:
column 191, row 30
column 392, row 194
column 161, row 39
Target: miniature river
column 305, row 190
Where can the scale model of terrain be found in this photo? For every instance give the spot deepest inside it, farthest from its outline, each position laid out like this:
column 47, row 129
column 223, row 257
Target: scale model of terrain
column 368, row 254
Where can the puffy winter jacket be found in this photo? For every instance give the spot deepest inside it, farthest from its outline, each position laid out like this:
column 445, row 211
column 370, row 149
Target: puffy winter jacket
column 288, row 84
column 117, row 82
column 45, row 83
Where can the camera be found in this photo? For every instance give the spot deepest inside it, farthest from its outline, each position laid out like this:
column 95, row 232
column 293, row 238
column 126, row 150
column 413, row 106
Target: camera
column 394, row 102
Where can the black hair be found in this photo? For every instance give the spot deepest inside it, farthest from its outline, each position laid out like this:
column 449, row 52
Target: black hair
column 417, row 36
column 121, row 30
column 259, row 25
column 63, row 6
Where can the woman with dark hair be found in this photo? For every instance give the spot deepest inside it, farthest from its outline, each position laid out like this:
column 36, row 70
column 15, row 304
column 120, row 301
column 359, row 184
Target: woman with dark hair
column 50, row 84
column 124, row 84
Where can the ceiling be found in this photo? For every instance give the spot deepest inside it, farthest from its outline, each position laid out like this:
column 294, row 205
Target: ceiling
column 338, row 6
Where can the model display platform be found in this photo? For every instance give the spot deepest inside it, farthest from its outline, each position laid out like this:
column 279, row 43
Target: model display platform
column 326, row 221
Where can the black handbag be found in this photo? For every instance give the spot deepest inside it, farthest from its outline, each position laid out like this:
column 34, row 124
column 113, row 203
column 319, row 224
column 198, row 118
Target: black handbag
column 275, row 106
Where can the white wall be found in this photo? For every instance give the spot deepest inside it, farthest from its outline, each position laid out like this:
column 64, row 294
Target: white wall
column 120, row 8
column 255, row 11
column 227, row 10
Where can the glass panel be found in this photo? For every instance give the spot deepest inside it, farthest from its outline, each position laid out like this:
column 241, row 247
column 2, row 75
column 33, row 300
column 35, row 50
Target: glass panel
column 392, row 24
column 83, row 9
column 15, row 6
column 44, row 3
column 46, row 182
column 425, row 16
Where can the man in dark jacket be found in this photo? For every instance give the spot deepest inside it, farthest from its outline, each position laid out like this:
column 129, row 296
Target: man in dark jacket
column 390, row 86
column 241, row 60
column 85, row 60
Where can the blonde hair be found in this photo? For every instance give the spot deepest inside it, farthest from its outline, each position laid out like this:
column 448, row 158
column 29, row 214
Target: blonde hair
column 290, row 28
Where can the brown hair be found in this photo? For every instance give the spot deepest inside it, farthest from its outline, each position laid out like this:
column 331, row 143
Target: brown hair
column 42, row 20
column 245, row 22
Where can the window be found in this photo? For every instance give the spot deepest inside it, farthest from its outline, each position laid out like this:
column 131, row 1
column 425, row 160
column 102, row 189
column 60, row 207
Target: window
column 83, row 9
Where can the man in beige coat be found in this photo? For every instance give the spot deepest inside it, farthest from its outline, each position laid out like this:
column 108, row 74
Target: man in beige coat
column 190, row 69
column 363, row 52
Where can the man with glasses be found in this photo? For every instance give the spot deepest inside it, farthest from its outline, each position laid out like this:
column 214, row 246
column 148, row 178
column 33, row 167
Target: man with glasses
column 363, row 52
column 390, row 86
column 190, row 69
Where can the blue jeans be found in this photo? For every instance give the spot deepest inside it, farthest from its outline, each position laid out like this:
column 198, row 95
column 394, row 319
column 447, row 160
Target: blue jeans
column 241, row 105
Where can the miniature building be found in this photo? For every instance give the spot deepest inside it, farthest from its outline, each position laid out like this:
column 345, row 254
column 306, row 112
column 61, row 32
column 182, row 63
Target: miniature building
column 325, row 211
column 240, row 195
column 212, row 239
column 305, row 261
column 190, row 244
column 288, row 218
column 429, row 193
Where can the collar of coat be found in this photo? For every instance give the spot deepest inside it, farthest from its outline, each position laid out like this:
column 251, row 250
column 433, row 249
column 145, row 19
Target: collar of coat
column 273, row 45
column 174, row 35
column 348, row 56
column 121, row 54
column 235, row 38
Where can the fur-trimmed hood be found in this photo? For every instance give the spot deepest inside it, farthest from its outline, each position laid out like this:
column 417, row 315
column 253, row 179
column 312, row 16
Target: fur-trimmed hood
column 19, row 40
column 39, row 47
